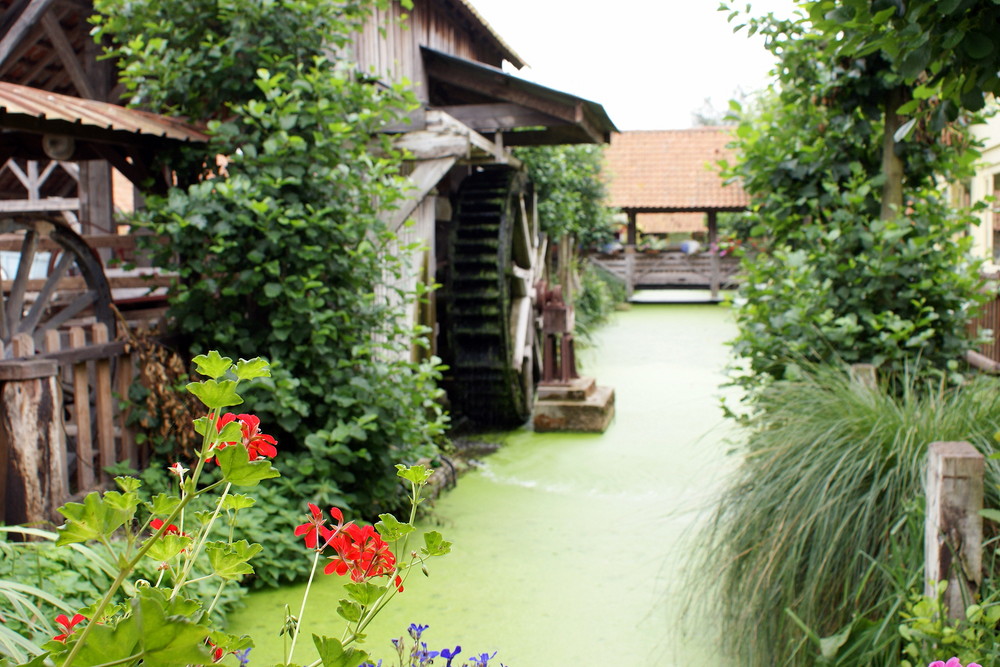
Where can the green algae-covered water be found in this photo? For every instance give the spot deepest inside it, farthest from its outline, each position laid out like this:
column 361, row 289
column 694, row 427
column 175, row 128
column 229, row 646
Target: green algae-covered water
column 568, row 548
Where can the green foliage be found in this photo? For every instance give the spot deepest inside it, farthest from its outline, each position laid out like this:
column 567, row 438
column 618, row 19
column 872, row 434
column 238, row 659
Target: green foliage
column 893, row 293
column 571, row 192
column 818, row 517
column 599, row 294
column 831, row 280
column 929, row 633
column 282, row 252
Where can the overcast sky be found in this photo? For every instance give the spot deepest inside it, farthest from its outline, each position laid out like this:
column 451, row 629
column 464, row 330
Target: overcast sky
column 651, row 63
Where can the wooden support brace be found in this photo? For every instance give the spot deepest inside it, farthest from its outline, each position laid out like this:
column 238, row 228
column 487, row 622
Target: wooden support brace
column 954, row 528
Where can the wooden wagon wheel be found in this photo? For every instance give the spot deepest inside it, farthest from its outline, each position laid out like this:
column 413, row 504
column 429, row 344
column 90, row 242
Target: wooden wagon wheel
column 73, row 288
column 491, row 320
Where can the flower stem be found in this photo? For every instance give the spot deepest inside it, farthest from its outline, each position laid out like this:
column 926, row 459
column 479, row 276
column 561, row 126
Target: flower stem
column 302, row 610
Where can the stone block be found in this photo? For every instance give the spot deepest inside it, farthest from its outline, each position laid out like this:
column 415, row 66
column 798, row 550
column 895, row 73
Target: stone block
column 591, row 414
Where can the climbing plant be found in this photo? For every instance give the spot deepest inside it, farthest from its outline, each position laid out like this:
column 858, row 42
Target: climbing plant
column 279, row 244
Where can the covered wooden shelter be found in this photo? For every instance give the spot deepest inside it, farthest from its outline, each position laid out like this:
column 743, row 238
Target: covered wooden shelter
column 672, row 171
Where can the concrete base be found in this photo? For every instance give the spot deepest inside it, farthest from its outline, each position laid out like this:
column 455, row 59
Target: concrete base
column 578, row 405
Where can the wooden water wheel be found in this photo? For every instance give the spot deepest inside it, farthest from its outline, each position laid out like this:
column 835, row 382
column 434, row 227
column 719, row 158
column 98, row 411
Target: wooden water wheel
column 490, row 327
column 51, row 278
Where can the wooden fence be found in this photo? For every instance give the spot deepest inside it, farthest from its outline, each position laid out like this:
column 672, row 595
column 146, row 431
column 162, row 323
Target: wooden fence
column 62, row 419
column 989, row 319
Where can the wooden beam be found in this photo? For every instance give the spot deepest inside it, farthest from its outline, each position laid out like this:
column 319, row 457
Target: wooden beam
column 28, row 18
column 424, row 178
column 713, row 247
column 68, row 57
column 500, row 116
column 39, row 205
column 496, row 86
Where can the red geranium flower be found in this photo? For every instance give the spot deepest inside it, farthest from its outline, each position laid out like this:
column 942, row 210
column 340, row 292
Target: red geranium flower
column 362, row 554
column 258, row 444
column 156, row 524
column 67, row 625
column 314, row 528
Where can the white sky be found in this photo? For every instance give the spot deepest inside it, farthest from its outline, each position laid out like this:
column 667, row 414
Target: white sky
column 651, row 63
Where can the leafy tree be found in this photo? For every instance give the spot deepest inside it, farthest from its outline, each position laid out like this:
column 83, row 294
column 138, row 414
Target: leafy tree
column 571, row 193
column 839, row 278
column 281, row 251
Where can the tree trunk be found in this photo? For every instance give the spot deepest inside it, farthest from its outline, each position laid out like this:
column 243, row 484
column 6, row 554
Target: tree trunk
column 892, row 166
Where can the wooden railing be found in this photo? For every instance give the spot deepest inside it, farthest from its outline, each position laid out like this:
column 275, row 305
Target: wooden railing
column 671, row 269
column 62, row 419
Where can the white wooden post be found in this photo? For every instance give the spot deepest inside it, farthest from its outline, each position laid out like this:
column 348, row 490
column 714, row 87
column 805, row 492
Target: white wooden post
column 954, row 529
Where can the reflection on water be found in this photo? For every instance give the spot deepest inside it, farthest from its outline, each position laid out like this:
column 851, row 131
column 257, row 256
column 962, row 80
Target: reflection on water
column 568, row 548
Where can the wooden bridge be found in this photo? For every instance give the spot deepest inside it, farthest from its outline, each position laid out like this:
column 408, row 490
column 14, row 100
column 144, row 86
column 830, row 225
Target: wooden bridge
column 671, row 269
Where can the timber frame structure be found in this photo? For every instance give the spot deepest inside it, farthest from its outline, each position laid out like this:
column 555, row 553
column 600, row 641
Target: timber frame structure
column 58, row 155
column 672, row 171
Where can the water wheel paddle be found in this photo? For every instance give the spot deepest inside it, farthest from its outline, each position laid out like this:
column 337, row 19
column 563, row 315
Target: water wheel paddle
column 490, row 324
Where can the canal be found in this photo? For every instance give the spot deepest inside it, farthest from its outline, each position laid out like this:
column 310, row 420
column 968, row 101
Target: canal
column 570, row 549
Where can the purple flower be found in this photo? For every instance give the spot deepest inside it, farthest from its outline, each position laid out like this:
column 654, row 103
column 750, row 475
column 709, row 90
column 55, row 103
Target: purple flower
column 243, row 656
column 483, row 659
column 417, row 630
column 425, row 656
column 450, row 655
column 370, row 664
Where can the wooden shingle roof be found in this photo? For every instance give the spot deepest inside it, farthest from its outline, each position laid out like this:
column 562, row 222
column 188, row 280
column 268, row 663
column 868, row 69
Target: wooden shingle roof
column 671, row 171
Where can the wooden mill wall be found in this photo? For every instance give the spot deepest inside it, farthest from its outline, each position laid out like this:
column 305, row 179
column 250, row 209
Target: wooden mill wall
column 391, row 50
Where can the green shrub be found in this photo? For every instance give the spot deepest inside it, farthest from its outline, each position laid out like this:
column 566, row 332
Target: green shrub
column 818, row 515
column 599, row 294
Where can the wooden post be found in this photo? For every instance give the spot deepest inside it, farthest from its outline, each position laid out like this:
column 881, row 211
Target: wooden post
column 954, row 529
column 865, row 374
column 32, row 440
column 715, row 282
column 630, row 256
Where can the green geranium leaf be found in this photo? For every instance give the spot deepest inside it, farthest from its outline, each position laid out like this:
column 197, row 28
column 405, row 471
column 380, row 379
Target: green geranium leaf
column 239, row 470
column 214, row 394
column 168, row 546
column 163, row 505
column 351, row 611
column 434, row 544
column 90, row 520
column 168, row 635
column 237, row 501
column 416, row 474
column 365, row 593
column 127, row 484
column 212, row 365
column 231, row 432
column 110, row 643
column 123, row 502
column 252, row 369
column 391, row 529
column 229, row 561
column 333, row 654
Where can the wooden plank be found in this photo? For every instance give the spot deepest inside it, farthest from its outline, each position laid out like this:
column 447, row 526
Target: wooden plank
column 125, row 372
column 81, row 414
column 104, row 404
column 79, row 283
column 499, row 116
column 42, row 205
column 953, row 535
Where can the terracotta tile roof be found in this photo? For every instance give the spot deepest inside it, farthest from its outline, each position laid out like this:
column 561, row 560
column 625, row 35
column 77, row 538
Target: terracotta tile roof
column 671, row 170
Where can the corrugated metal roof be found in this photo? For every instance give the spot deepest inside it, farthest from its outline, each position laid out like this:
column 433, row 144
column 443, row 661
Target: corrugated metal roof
column 22, row 107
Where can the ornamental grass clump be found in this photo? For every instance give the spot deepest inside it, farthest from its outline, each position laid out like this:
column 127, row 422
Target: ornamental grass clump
column 818, row 534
